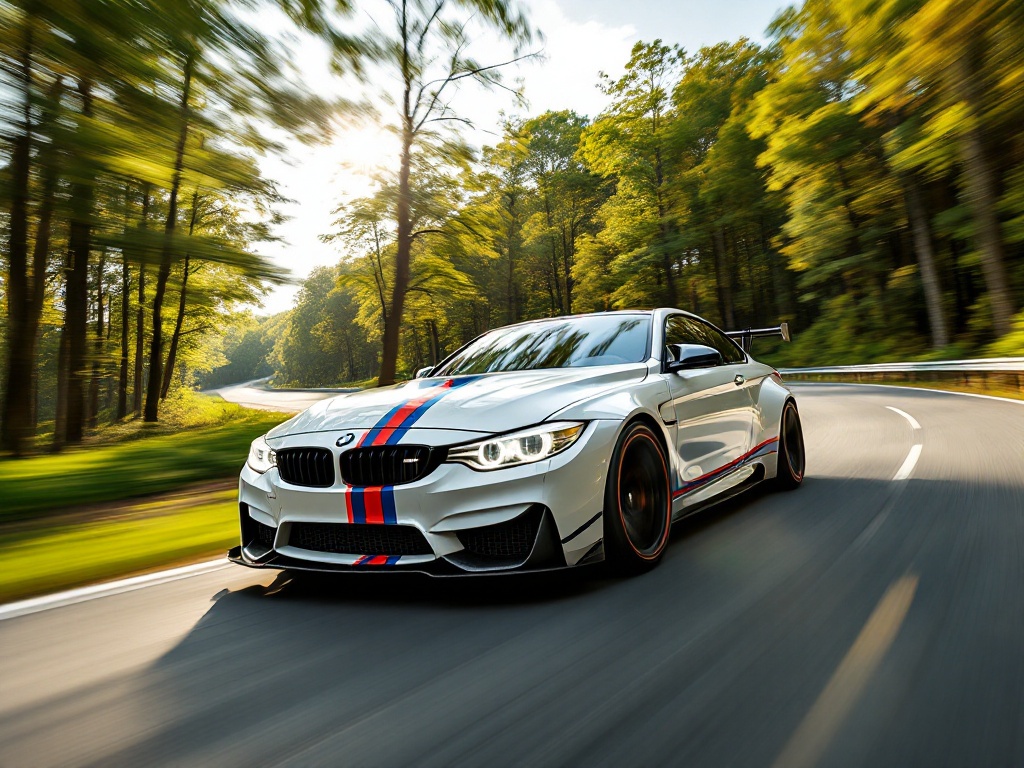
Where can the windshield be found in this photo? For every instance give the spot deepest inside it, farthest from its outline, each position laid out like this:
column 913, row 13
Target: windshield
column 572, row 342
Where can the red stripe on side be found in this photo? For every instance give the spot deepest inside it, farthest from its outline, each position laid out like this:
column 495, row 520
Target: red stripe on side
column 378, row 560
column 730, row 465
column 374, row 508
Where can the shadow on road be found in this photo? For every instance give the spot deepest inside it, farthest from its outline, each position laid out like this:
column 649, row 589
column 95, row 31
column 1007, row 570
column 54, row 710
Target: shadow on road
column 713, row 658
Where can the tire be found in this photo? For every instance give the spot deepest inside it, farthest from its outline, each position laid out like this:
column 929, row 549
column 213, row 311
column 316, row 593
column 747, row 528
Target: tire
column 638, row 502
column 792, row 460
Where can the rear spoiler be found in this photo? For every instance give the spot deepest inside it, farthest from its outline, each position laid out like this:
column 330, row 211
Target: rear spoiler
column 745, row 337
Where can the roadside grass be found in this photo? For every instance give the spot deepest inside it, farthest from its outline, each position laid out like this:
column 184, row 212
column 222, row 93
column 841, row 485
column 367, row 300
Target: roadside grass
column 139, row 463
column 55, row 557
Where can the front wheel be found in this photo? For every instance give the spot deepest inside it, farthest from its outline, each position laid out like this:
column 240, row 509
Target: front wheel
column 791, row 449
column 638, row 503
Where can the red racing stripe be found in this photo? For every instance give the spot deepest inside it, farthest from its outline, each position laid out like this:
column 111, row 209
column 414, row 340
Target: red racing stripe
column 692, row 484
column 405, row 412
column 374, row 507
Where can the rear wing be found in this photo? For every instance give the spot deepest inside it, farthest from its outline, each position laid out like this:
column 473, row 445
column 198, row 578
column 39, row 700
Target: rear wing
column 744, row 337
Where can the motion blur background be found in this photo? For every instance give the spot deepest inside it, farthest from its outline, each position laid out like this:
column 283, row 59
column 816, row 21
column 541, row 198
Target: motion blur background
column 208, row 204
column 858, row 171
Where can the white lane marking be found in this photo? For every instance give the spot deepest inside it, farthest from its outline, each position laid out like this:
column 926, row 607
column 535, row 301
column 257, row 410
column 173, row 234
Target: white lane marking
column 905, row 415
column 908, row 464
column 812, row 737
column 907, row 389
column 915, row 450
column 96, row 591
column 903, row 473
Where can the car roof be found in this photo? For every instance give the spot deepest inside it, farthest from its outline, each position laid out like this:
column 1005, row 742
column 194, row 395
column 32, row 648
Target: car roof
column 576, row 316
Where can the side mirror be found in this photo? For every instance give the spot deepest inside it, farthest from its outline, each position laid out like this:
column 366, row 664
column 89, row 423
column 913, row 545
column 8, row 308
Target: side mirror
column 691, row 356
column 424, row 372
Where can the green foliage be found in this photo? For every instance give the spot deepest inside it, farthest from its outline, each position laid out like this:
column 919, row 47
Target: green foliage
column 45, row 558
column 126, row 469
column 1012, row 344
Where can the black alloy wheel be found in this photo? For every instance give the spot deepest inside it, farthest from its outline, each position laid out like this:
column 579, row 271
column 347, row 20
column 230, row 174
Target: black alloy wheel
column 638, row 502
column 791, row 449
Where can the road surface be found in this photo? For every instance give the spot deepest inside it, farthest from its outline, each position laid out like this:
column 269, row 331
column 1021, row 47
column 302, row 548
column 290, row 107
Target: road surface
column 252, row 395
column 874, row 617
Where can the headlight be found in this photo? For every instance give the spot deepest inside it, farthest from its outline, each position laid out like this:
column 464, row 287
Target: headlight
column 526, row 447
column 261, row 455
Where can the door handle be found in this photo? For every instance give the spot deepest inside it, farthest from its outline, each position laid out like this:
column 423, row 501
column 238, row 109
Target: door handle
column 739, row 379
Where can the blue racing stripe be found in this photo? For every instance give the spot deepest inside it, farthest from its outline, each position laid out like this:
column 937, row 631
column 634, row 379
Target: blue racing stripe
column 381, row 423
column 358, row 505
column 387, row 503
column 415, row 416
column 393, row 560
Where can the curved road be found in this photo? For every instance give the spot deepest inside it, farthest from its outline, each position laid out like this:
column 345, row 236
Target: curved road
column 874, row 617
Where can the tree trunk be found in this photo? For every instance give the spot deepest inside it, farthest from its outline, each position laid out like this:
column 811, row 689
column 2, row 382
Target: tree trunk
column 140, row 317
column 122, row 378
column 666, row 257
column 60, row 419
column 77, row 293
column 156, row 349
column 510, row 276
column 172, row 352
column 924, row 247
column 16, row 420
column 94, row 379
column 567, row 266
column 435, row 343
column 180, row 319
column 722, row 281
column 983, row 200
column 126, row 279
column 403, row 254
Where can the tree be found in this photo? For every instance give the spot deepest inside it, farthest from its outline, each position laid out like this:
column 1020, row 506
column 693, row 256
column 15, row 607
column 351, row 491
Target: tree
column 628, row 142
column 568, row 193
column 426, row 48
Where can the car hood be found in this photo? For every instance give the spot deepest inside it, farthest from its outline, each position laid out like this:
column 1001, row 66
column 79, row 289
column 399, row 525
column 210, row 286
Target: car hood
column 490, row 403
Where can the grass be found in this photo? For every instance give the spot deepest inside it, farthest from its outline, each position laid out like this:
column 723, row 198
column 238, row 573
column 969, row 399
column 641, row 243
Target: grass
column 127, row 500
column 57, row 557
column 138, row 464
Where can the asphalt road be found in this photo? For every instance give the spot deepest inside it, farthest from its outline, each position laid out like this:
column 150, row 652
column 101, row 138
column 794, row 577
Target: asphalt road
column 252, row 395
column 861, row 620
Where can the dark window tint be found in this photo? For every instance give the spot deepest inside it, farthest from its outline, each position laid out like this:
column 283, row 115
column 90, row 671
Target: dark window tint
column 680, row 329
column 570, row 343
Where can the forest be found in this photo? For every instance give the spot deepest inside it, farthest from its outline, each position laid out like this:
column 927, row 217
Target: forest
column 860, row 175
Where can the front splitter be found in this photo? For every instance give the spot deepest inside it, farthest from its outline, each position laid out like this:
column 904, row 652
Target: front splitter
column 438, row 568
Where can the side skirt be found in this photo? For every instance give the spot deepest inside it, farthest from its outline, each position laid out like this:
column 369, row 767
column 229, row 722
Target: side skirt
column 755, row 478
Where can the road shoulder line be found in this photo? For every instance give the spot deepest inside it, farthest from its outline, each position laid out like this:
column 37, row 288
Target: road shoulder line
column 107, row 589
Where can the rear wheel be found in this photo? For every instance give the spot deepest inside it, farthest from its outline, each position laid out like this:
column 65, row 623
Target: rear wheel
column 638, row 503
column 791, row 449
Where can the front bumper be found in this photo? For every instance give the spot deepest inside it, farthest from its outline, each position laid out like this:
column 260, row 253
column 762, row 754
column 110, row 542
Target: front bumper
column 532, row 517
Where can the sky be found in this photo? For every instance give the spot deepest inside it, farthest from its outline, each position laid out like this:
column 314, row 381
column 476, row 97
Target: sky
column 581, row 39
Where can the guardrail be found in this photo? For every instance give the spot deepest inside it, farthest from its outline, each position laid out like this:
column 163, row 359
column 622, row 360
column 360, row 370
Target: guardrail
column 997, row 373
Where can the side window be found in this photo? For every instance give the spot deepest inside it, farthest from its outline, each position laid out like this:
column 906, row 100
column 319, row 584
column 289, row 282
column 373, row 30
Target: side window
column 731, row 353
column 680, row 329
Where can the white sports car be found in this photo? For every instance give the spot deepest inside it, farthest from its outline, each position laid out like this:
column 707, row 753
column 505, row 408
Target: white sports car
column 547, row 444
